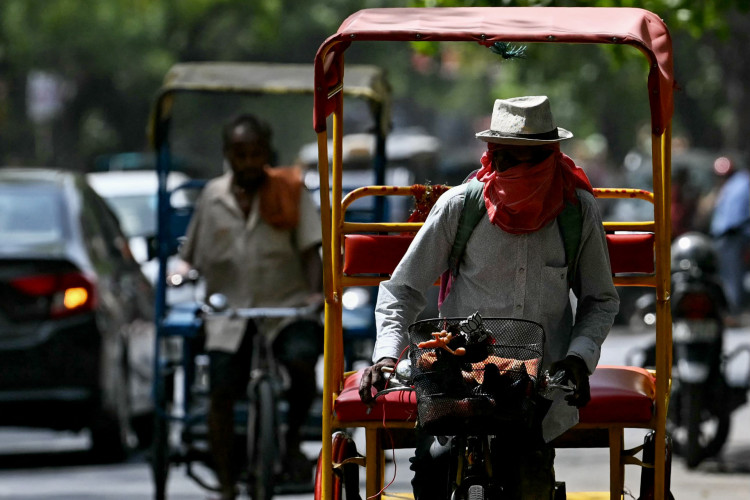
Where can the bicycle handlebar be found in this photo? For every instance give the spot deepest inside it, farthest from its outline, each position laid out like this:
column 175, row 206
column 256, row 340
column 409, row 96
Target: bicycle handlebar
column 261, row 312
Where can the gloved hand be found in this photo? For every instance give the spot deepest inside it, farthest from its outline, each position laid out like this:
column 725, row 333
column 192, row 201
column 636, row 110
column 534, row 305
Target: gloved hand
column 576, row 371
column 373, row 376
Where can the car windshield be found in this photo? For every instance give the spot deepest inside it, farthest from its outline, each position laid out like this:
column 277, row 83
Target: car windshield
column 137, row 213
column 30, row 215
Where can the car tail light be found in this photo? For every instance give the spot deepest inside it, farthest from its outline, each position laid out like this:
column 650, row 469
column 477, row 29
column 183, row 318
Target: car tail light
column 66, row 294
column 696, row 305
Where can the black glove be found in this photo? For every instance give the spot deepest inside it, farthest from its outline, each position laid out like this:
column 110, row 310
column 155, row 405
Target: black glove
column 372, row 376
column 577, row 372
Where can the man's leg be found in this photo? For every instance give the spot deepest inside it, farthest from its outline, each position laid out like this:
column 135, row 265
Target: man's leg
column 527, row 470
column 221, row 442
column 298, row 347
column 730, row 249
column 431, row 467
column 228, row 377
column 525, row 461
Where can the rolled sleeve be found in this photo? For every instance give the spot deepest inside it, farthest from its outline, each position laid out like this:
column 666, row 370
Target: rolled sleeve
column 403, row 297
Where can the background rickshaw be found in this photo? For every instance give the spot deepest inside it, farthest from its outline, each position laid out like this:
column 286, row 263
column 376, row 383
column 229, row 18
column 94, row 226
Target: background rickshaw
column 191, row 107
column 357, row 254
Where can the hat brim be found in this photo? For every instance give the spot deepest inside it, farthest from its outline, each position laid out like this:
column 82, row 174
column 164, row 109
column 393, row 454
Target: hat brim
column 499, row 138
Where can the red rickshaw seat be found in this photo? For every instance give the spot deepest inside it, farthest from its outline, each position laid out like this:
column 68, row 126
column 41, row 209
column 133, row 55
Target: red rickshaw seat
column 618, row 394
column 398, row 406
column 381, row 253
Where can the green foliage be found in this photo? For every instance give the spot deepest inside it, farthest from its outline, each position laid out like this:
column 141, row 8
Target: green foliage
column 113, row 54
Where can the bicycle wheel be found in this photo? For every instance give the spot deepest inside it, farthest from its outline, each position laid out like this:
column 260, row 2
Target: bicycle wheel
column 263, row 441
column 345, row 479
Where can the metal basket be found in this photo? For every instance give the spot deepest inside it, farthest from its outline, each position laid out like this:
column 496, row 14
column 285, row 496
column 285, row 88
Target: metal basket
column 492, row 383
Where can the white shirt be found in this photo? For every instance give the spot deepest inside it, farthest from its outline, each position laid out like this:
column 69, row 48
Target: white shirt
column 507, row 275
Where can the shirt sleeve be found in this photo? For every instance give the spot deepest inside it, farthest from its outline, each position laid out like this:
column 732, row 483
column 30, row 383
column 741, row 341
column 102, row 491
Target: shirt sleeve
column 598, row 301
column 403, row 297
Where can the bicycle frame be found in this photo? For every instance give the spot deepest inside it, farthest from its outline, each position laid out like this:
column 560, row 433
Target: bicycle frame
column 485, row 26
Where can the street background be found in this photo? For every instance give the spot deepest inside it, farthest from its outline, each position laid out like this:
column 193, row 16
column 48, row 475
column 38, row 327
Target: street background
column 41, row 465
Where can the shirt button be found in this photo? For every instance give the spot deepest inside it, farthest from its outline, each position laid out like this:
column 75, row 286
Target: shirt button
column 518, row 306
column 562, row 276
column 520, row 269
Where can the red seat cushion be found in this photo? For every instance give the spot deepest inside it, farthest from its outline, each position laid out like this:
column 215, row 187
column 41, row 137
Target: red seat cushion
column 398, row 406
column 631, row 253
column 620, row 394
column 381, row 253
column 374, row 253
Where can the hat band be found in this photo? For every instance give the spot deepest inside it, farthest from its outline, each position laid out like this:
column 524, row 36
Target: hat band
column 552, row 134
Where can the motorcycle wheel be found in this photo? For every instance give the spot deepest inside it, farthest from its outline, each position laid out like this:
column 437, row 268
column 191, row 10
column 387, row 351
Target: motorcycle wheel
column 700, row 429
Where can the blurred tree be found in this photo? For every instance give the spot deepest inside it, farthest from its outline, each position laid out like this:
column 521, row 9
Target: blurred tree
column 107, row 59
column 709, row 39
column 110, row 56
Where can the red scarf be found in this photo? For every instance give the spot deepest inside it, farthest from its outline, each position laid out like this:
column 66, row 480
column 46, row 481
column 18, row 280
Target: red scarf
column 526, row 197
column 280, row 195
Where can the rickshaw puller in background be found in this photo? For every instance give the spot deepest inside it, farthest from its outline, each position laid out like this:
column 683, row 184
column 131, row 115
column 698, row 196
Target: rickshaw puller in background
column 514, row 266
column 255, row 237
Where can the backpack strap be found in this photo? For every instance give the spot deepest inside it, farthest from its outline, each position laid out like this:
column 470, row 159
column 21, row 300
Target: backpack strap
column 471, row 213
column 570, row 222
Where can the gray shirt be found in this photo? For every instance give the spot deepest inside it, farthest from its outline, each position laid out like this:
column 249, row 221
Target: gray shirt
column 507, row 275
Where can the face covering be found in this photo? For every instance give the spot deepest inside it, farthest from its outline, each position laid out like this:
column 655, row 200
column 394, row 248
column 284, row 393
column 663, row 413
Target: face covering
column 527, row 196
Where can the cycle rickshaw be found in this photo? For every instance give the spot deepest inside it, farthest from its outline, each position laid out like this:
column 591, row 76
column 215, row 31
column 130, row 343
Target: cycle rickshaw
column 196, row 99
column 358, row 254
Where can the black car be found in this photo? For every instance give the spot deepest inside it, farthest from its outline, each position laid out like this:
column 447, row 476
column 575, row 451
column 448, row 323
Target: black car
column 76, row 314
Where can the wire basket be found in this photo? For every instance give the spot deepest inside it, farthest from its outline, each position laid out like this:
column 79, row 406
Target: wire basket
column 488, row 379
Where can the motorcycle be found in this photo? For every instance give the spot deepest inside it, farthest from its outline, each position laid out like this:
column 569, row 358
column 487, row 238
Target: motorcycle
column 702, row 399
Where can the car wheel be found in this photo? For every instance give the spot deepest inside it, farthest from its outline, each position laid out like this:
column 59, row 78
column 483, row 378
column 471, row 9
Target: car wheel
column 143, row 427
column 111, row 433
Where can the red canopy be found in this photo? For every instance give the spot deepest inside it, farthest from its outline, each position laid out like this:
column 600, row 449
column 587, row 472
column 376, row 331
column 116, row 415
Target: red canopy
column 487, row 25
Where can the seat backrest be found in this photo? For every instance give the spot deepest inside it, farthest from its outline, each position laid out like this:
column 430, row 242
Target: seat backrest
column 629, row 253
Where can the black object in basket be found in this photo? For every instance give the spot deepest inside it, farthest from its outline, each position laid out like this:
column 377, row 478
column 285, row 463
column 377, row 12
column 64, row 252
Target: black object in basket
column 486, row 377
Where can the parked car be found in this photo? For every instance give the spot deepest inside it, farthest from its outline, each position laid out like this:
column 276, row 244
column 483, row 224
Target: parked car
column 131, row 194
column 76, row 314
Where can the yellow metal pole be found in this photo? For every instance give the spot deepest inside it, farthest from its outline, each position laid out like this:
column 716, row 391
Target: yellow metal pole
column 661, row 172
column 325, row 215
column 330, row 208
column 336, row 237
column 325, row 220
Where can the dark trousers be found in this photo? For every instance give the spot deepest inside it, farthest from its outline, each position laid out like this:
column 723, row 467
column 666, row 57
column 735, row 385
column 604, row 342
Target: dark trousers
column 522, row 461
column 297, row 347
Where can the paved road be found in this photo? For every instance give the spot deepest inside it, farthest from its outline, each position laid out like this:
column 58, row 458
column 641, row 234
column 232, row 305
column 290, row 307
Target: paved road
column 37, row 465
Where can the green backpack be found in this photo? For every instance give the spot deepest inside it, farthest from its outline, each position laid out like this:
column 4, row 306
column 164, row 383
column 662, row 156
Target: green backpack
column 570, row 222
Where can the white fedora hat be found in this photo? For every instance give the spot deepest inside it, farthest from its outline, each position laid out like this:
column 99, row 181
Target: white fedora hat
column 523, row 121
